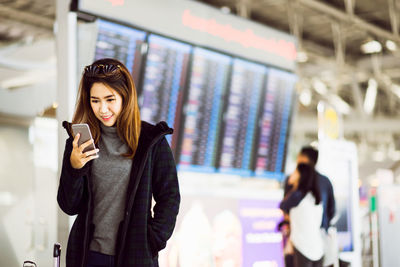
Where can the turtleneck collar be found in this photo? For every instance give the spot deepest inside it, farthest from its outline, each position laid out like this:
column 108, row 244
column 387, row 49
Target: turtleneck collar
column 108, row 130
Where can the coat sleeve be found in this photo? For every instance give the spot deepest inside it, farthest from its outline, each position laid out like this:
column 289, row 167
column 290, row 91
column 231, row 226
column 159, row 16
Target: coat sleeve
column 166, row 194
column 286, row 186
column 71, row 189
column 331, row 205
column 290, row 201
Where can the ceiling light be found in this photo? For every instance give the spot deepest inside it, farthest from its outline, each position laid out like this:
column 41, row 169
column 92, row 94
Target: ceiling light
column 321, row 107
column 339, row 104
column 391, row 45
column 301, row 57
column 371, row 47
column 225, row 10
column 370, row 97
column 320, row 87
column 305, row 97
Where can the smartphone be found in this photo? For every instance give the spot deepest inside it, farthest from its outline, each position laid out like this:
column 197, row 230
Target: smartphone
column 86, row 135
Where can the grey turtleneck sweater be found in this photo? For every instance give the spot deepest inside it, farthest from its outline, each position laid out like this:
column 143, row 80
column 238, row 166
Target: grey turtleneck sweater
column 110, row 173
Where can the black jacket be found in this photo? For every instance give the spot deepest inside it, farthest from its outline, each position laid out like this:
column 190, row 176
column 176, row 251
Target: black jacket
column 140, row 235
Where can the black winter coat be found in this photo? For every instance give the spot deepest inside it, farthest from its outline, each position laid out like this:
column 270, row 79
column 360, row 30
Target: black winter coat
column 140, row 236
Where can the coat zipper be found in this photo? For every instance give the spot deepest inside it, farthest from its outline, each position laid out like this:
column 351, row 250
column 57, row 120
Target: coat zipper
column 130, row 204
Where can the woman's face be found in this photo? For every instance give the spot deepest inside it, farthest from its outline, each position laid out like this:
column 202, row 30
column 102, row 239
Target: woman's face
column 106, row 103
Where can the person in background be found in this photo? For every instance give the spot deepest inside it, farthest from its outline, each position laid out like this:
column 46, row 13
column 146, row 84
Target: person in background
column 309, row 155
column 111, row 191
column 284, row 228
column 304, row 207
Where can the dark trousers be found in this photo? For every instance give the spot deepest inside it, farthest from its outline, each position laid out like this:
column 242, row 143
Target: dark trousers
column 289, row 260
column 302, row 261
column 96, row 259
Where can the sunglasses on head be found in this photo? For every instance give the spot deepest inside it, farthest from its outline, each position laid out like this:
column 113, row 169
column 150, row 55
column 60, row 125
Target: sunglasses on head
column 97, row 69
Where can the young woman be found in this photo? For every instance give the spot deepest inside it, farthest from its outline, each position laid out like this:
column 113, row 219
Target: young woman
column 111, row 192
column 303, row 205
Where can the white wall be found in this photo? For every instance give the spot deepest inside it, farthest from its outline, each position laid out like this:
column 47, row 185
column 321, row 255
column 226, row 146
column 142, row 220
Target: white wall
column 27, row 192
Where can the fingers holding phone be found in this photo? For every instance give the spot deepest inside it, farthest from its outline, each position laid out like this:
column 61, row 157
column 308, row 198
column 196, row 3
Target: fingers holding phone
column 83, row 148
column 79, row 158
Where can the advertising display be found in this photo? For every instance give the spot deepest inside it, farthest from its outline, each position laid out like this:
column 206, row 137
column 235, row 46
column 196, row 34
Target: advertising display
column 163, row 82
column 225, row 226
column 122, row 43
column 240, row 116
column 338, row 161
column 208, row 84
column 343, row 194
column 262, row 244
column 270, row 153
column 389, row 223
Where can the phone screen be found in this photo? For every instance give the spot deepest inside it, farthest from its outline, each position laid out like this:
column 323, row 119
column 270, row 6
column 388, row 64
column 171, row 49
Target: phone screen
column 84, row 131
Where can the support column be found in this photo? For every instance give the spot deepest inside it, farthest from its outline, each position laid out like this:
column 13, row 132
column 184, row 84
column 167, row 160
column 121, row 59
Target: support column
column 66, row 42
column 394, row 17
column 243, row 7
column 350, row 5
column 339, row 42
column 358, row 98
column 295, row 22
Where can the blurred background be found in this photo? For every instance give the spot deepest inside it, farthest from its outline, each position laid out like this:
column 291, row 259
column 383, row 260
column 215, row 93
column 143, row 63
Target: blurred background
column 245, row 84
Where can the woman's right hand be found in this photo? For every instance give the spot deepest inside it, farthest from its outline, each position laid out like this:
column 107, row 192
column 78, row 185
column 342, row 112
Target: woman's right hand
column 79, row 159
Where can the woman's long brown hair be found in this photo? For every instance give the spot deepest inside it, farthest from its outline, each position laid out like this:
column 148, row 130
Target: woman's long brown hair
column 113, row 73
column 308, row 181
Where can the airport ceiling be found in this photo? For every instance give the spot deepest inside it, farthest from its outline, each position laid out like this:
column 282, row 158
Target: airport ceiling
column 330, row 34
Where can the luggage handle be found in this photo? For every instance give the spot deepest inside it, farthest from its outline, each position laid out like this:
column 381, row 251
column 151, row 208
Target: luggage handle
column 57, row 254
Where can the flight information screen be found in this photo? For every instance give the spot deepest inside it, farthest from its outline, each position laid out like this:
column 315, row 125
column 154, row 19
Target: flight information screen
column 122, row 43
column 270, row 150
column 164, row 81
column 229, row 115
column 240, row 116
column 201, row 123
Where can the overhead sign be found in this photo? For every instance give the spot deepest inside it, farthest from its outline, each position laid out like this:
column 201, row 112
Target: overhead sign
column 330, row 124
column 201, row 25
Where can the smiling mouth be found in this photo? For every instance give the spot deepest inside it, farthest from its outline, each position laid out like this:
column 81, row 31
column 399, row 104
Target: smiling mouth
column 106, row 118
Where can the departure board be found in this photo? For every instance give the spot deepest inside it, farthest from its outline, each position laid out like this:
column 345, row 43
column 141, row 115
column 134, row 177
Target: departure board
column 273, row 127
column 164, row 81
column 231, row 116
column 208, row 83
column 240, row 117
column 122, row 43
